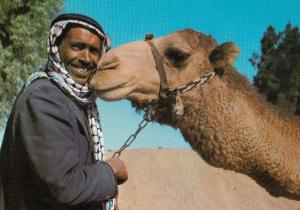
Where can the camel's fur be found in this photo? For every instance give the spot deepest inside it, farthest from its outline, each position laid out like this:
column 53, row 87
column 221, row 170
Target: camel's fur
column 226, row 121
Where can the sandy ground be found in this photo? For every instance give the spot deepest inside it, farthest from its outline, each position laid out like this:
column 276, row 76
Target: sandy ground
column 178, row 179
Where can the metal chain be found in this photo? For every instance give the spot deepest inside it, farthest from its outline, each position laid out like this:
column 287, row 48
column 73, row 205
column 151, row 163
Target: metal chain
column 148, row 110
column 193, row 84
column 141, row 126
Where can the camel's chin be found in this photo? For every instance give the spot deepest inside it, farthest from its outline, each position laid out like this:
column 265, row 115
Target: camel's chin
column 141, row 99
column 114, row 94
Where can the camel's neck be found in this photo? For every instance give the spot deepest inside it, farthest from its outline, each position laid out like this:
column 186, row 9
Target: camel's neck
column 232, row 129
column 221, row 104
column 220, row 121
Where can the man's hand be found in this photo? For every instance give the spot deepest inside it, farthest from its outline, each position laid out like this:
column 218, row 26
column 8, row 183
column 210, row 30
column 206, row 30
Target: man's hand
column 119, row 169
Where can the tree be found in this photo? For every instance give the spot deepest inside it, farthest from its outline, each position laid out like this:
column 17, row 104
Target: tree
column 23, row 36
column 278, row 67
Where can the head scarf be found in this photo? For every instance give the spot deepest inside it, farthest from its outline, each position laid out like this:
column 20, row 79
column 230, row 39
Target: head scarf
column 55, row 67
column 56, row 71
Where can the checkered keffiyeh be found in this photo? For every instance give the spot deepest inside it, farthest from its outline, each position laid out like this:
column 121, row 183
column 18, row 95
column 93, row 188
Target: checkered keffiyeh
column 81, row 93
column 56, row 71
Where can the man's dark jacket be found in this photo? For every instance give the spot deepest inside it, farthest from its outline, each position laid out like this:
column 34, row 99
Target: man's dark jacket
column 46, row 159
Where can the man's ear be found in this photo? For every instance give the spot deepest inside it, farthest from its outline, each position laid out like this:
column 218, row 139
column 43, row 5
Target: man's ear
column 224, row 55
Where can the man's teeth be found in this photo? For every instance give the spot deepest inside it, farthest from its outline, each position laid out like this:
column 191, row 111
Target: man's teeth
column 84, row 70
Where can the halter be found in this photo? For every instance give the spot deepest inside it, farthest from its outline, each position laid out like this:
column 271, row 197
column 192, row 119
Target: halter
column 166, row 92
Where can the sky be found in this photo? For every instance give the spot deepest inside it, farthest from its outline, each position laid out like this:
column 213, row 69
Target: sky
column 240, row 21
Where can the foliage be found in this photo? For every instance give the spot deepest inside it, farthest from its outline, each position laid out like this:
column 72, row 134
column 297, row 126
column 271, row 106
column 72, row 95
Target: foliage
column 23, row 34
column 278, row 66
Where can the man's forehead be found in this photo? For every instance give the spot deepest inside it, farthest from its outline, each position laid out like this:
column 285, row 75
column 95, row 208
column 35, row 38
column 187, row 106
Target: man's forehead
column 61, row 25
column 81, row 32
column 84, row 35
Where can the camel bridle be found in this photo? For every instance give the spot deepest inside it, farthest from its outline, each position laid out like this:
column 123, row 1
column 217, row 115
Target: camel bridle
column 166, row 92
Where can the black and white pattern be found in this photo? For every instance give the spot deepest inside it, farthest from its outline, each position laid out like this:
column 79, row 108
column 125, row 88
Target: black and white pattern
column 80, row 92
column 97, row 134
column 56, row 71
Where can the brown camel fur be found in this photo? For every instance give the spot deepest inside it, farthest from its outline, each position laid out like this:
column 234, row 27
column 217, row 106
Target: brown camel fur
column 225, row 120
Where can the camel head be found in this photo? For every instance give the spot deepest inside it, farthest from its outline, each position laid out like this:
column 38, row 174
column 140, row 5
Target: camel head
column 130, row 71
column 225, row 121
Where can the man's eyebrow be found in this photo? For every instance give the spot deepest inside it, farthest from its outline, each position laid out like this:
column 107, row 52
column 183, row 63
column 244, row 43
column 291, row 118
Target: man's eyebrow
column 80, row 42
column 95, row 48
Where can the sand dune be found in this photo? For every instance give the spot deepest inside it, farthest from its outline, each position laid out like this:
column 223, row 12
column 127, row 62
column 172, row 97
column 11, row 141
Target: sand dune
column 178, row 179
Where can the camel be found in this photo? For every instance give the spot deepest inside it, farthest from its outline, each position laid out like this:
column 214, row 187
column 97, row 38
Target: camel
column 224, row 118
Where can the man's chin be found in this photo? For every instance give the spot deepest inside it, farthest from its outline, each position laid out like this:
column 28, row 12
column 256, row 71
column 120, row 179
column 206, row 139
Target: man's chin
column 80, row 81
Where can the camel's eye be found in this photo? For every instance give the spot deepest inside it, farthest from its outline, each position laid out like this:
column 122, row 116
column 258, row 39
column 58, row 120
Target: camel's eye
column 177, row 56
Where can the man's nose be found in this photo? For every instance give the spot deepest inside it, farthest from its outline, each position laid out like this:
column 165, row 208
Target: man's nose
column 85, row 57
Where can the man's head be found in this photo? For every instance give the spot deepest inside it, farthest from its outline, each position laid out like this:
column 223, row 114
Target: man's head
column 80, row 53
column 76, row 44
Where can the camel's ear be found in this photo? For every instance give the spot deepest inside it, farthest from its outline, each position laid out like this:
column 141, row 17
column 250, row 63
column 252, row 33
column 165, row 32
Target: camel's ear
column 224, row 55
column 207, row 42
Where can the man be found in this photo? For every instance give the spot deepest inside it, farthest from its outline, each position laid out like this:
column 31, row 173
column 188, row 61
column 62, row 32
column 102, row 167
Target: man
column 52, row 155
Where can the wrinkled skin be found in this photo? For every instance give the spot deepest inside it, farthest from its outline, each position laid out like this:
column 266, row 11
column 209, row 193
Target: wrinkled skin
column 225, row 120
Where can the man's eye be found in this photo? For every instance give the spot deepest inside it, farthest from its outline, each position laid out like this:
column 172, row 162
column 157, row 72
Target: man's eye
column 95, row 50
column 78, row 46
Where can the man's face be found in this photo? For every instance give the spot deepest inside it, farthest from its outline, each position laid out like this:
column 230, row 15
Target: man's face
column 80, row 53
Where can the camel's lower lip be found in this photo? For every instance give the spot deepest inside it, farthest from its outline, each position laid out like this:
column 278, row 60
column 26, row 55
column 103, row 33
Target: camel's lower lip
column 108, row 89
column 114, row 93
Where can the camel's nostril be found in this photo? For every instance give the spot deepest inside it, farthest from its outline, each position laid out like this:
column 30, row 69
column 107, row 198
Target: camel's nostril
column 109, row 66
column 110, row 61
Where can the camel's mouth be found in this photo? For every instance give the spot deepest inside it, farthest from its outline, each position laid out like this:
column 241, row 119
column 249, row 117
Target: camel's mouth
column 120, row 78
column 114, row 92
column 107, row 84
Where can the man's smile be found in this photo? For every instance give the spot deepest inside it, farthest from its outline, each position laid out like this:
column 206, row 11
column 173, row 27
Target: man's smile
column 80, row 70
